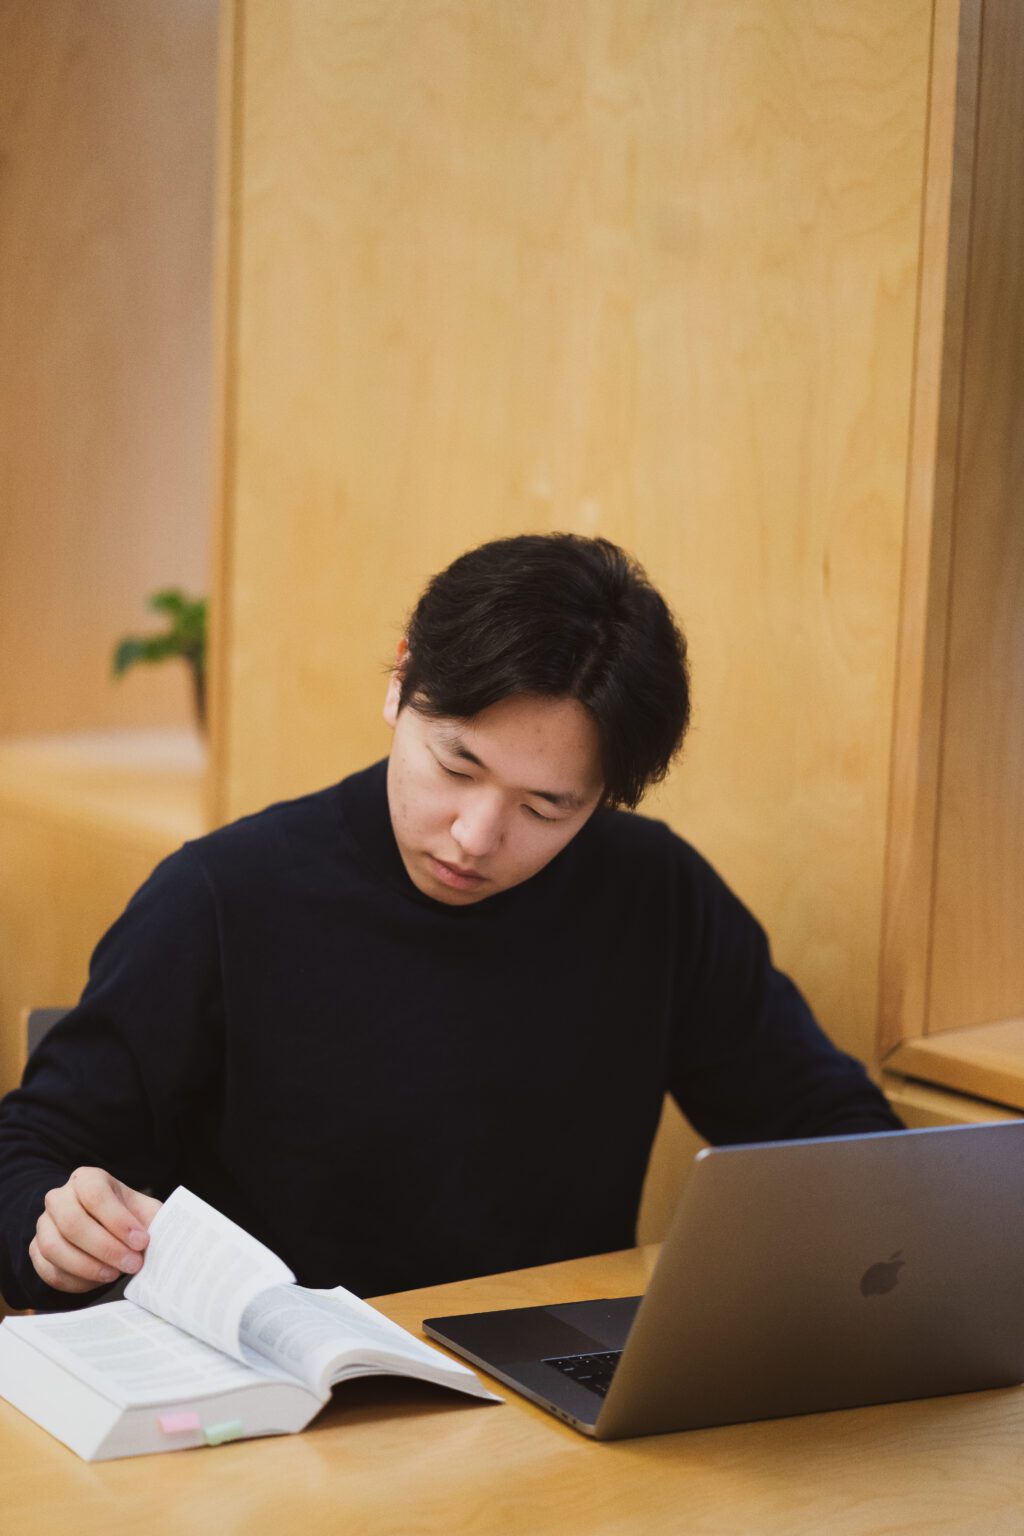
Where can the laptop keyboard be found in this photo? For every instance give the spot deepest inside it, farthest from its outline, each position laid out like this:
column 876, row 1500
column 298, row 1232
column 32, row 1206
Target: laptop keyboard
column 592, row 1371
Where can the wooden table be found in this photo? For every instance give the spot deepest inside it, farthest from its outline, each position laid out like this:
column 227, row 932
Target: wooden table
column 393, row 1458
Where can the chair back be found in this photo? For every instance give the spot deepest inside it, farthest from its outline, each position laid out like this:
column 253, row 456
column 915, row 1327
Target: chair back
column 38, row 1022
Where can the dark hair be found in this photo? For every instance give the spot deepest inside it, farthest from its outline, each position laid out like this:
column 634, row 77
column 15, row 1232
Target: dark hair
column 559, row 616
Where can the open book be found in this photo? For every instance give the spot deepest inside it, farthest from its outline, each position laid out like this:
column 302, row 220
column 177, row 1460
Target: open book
column 214, row 1341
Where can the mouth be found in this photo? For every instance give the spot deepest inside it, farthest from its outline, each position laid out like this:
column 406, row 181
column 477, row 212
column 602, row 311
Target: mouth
column 455, row 876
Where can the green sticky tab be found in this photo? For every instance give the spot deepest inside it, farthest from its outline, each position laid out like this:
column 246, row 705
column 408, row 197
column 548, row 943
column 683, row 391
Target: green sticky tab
column 217, row 1434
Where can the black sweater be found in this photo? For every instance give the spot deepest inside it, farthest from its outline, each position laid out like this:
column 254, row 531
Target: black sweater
column 393, row 1092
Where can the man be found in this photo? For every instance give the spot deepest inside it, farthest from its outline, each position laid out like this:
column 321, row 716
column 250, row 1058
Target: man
column 419, row 1025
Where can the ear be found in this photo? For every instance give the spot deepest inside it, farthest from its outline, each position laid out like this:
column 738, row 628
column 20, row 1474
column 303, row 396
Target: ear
column 393, row 697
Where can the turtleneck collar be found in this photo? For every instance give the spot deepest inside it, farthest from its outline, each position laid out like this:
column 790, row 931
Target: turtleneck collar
column 366, row 819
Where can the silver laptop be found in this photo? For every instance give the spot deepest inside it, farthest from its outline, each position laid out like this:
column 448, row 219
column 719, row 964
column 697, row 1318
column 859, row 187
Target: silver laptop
column 797, row 1276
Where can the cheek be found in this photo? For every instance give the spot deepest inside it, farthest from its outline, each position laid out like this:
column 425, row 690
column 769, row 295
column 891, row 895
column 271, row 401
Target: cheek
column 424, row 804
column 405, row 798
column 537, row 846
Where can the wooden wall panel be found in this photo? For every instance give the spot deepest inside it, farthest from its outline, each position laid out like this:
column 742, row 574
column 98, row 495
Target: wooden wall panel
column 977, row 965
column 106, row 137
column 648, row 271
column 83, row 821
column 80, row 879
column 919, row 712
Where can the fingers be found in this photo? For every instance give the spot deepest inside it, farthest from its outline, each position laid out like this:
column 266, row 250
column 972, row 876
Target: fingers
column 96, row 1199
column 93, row 1229
column 62, row 1266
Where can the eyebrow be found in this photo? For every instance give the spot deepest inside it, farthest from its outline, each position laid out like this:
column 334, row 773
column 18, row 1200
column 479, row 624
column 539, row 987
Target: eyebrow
column 454, row 743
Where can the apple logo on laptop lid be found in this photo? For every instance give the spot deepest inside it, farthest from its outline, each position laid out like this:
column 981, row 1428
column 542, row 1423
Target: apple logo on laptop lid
column 881, row 1278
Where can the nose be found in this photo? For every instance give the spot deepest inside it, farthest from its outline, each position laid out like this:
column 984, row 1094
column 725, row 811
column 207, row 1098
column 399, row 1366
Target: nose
column 477, row 829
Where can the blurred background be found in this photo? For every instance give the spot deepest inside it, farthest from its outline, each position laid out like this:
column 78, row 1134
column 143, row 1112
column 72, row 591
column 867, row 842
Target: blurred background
column 300, row 298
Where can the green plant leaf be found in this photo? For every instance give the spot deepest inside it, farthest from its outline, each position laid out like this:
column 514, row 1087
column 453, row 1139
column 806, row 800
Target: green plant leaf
column 170, row 600
column 185, row 636
column 142, row 648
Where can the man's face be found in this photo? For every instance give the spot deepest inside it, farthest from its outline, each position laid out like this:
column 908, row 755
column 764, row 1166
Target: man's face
column 480, row 805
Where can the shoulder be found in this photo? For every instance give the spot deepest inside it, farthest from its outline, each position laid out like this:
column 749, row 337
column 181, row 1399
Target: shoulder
column 292, row 846
column 289, row 835
column 253, row 856
column 633, row 838
column 663, row 870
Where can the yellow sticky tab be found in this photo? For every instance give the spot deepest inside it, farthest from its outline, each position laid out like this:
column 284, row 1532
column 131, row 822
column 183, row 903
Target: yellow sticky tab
column 217, row 1434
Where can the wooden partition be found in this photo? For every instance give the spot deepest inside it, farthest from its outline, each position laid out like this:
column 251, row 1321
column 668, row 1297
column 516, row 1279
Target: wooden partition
column 952, row 999
column 977, row 953
column 648, row 271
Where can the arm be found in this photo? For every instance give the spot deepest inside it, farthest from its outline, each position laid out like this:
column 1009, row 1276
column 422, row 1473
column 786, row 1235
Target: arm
column 750, row 1063
column 118, row 1083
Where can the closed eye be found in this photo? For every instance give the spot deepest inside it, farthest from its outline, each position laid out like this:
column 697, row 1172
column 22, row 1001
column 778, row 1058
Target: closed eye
column 453, row 773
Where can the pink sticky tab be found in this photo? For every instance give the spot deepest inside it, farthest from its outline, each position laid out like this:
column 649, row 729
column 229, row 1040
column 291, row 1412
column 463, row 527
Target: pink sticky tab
column 178, row 1423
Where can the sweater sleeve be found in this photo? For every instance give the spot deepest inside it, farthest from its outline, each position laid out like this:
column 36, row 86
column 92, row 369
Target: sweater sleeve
column 122, row 1079
column 750, row 1063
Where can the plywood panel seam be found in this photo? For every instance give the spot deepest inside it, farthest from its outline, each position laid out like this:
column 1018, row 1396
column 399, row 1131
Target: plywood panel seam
column 912, row 427
column 922, row 646
column 944, row 718
column 231, row 92
column 977, row 968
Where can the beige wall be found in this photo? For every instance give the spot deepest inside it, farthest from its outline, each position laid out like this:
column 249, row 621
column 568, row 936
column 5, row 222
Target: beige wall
column 648, row 271
column 106, row 142
column 107, row 138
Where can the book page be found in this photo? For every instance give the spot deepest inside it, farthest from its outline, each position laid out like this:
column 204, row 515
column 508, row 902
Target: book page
column 201, row 1271
column 132, row 1357
column 321, row 1336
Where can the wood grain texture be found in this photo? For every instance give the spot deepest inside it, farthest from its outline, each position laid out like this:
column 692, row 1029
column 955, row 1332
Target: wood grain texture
column 83, row 820
column 977, row 960
column 106, row 135
column 224, row 325
column 986, row 1060
column 919, row 715
column 391, row 1456
column 920, row 1105
column 139, row 786
column 675, row 1146
column 648, row 271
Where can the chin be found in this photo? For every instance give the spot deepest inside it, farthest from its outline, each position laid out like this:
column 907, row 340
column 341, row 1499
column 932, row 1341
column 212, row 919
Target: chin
column 452, row 898
column 457, row 899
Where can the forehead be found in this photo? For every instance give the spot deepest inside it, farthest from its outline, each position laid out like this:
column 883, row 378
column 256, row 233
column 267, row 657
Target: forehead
column 528, row 743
